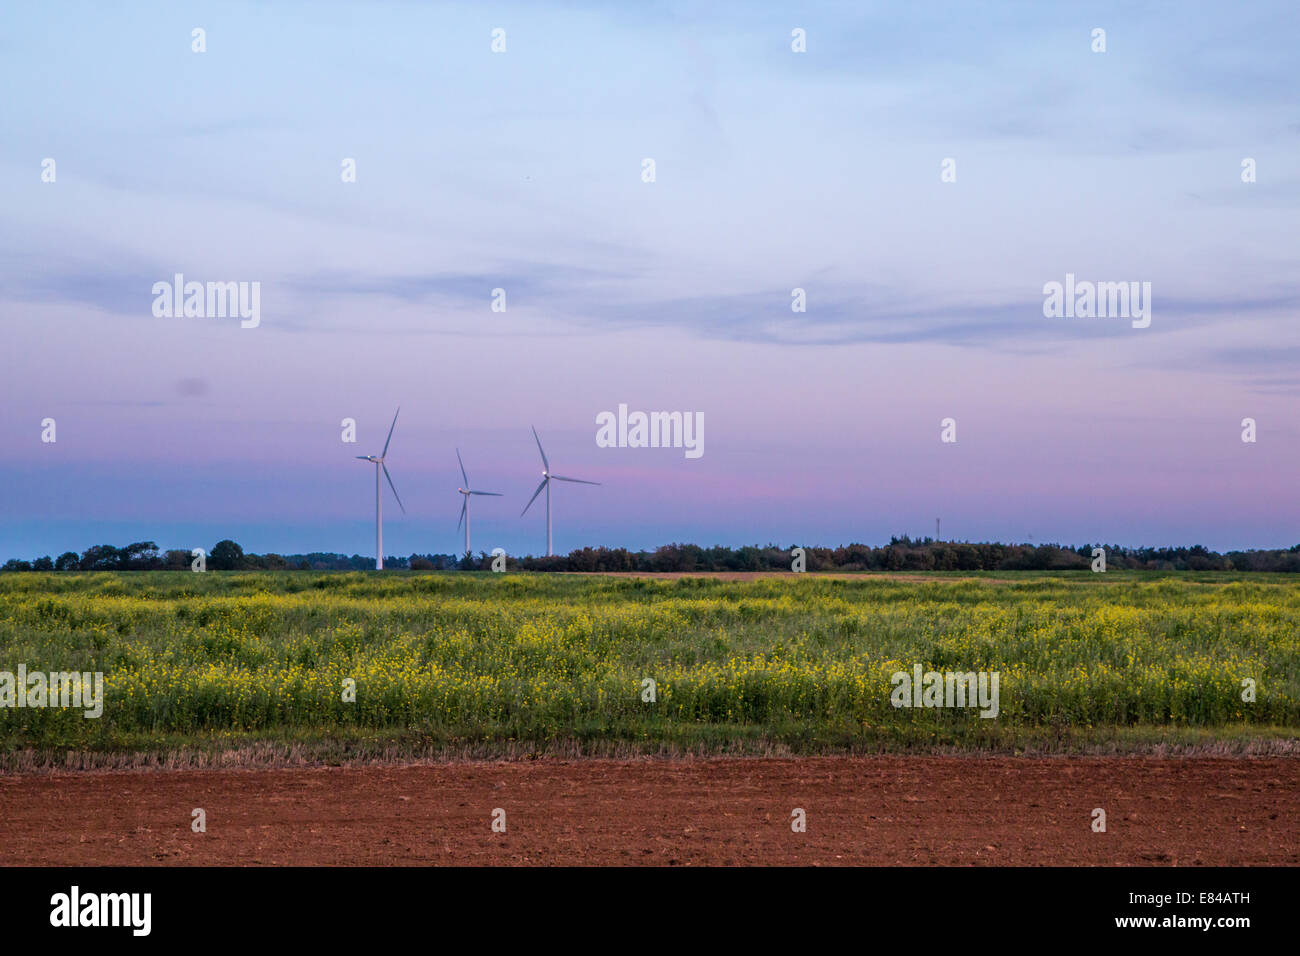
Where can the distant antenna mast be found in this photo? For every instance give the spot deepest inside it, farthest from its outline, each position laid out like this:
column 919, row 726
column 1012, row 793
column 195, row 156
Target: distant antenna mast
column 936, row 529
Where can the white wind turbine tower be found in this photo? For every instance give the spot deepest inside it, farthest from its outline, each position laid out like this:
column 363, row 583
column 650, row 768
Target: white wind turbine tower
column 464, row 507
column 379, row 506
column 546, row 483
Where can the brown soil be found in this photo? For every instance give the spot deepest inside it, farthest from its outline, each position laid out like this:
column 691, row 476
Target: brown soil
column 860, row 810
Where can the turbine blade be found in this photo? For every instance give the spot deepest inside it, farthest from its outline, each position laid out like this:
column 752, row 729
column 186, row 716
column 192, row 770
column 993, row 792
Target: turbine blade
column 462, row 468
column 546, row 463
column 577, row 480
column 494, row 494
column 390, row 433
column 534, row 497
column 463, row 505
column 393, row 486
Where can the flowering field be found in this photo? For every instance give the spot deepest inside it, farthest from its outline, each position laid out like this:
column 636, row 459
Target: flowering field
column 347, row 664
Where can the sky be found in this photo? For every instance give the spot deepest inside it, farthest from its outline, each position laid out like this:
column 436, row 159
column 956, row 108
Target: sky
column 524, row 170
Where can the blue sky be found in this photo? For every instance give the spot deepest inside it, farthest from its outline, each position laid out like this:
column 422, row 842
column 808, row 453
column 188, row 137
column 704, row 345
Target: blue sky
column 774, row 170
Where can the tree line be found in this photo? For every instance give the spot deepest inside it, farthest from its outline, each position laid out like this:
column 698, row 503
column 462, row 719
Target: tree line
column 901, row 554
column 225, row 555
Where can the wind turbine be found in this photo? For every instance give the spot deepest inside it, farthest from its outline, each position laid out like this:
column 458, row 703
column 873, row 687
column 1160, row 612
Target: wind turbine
column 464, row 507
column 546, row 483
column 379, row 505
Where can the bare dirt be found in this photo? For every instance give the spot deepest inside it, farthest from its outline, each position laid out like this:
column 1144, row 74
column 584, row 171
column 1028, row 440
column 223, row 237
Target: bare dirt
column 884, row 810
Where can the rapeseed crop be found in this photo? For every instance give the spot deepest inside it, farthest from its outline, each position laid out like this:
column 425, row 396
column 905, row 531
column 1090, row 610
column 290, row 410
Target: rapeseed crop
column 801, row 662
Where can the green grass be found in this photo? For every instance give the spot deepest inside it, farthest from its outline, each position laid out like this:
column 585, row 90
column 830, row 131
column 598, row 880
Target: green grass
column 198, row 666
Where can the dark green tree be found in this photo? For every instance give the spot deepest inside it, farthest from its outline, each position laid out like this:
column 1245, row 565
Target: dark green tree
column 226, row 556
column 99, row 557
column 138, row 556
